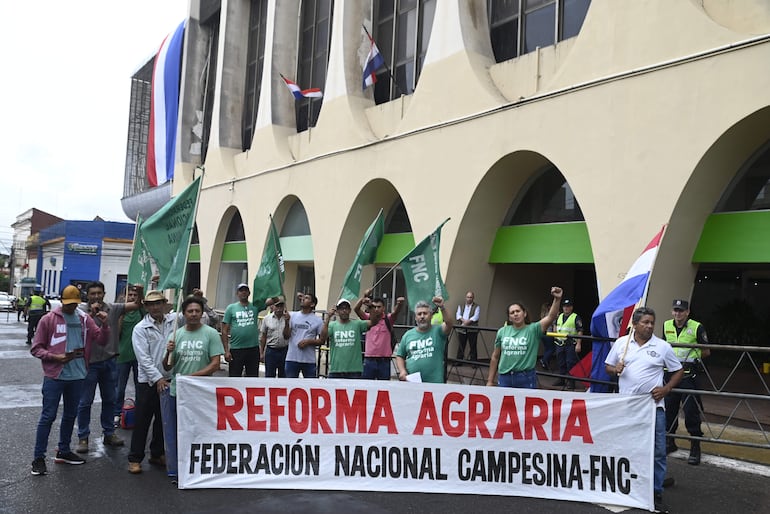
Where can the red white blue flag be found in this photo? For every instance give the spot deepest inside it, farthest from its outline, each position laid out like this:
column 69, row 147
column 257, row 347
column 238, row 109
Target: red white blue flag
column 614, row 312
column 164, row 109
column 298, row 93
column 374, row 61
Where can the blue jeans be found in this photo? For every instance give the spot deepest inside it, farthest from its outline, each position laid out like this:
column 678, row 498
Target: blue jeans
column 104, row 374
column 376, row 368
column 124, row 369
column 168, row 415
column 521, row 379
column 275, row 361
column 53, row 391
column 660, row 450
column 308, row 369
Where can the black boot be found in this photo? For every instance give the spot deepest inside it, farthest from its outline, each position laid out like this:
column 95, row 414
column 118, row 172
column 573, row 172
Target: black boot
column 660, row 505
column 694, row 458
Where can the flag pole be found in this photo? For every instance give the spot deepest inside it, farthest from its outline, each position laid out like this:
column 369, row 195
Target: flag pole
column 385, row 65
column 179, row 292
column 276, row 245
column 642, row 301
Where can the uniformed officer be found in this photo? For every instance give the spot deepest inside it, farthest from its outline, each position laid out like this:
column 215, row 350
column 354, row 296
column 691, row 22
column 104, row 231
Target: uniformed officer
column 567, row 348
column 38, row 306
column 681, row 329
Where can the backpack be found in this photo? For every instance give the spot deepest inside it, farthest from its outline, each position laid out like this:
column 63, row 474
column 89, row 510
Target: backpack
column 127, row 414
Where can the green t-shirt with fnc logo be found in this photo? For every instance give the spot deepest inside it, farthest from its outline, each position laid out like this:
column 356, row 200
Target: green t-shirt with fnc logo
column 518, row 347
column 243, row 321
column 345, row 346
column 193, row 351
column 424, row 352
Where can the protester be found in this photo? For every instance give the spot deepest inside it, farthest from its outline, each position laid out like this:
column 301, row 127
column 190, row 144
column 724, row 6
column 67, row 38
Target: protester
column 240, row 335
column 682, row 329
column 195, row 351
column 638, row 359
column 468, row 315
column 344, row 337
column 63, row 342
column 126, row 361
column 380, row 340
column 272, row 344
column 149, row 345
column 303, row 332
column 567, row 348
column 517, row 344
column 102, row 369
column 422, row 349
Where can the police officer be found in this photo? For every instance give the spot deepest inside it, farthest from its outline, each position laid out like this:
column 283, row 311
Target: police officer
column 684, row 330
column 38, row 306
column 567, row 348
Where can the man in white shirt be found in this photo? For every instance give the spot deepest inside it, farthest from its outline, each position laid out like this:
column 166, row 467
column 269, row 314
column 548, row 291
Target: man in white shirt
column 638, row 360
column 467, row 317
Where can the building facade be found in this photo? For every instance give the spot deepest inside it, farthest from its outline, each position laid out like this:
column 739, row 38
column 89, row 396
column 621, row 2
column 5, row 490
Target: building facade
column 79, row 252
column 558, row 136
column 26, row 239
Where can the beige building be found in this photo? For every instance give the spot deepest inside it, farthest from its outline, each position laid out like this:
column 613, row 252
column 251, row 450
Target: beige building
column 558, row 136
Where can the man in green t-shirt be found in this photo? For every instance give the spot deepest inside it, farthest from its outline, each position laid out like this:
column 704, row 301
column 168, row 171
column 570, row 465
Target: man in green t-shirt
column 344, row 337
column 126, row 360
column 240, row 335
column 423, row 348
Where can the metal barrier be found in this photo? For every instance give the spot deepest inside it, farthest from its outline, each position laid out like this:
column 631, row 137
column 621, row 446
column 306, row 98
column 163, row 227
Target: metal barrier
column 735, row 396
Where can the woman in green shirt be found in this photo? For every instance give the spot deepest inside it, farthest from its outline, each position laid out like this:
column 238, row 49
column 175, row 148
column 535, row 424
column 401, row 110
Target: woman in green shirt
column 517, row 343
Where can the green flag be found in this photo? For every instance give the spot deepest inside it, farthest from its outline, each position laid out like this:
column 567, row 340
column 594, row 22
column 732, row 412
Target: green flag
column 269, row 279
column 367, row 251
column 167, row 235
column 421, row 270
column 140, row 266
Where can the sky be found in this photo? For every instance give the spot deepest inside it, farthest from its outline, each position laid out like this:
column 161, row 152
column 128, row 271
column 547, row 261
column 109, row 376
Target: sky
column 64, row 113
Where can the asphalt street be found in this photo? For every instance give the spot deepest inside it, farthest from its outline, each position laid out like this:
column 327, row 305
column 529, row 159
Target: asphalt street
column 104, row 485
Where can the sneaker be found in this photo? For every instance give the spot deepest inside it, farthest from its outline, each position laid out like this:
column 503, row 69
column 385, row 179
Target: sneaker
column 158, row 461
column 39, row 467
column 112, row 440
column 134, row 468
column 82, row 446
column 68, row 458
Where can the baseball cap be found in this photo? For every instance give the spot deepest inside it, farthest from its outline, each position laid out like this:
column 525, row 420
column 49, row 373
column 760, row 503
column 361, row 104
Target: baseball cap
column 343, row 301
column 154, row 296
column 71, row 294
column 681, row 304
column 566, row 301
column 241, row 286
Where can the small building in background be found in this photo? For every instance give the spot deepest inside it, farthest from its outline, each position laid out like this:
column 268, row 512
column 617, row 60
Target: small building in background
column 79, row 252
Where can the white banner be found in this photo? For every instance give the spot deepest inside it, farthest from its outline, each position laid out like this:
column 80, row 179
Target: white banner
column 394, row 436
